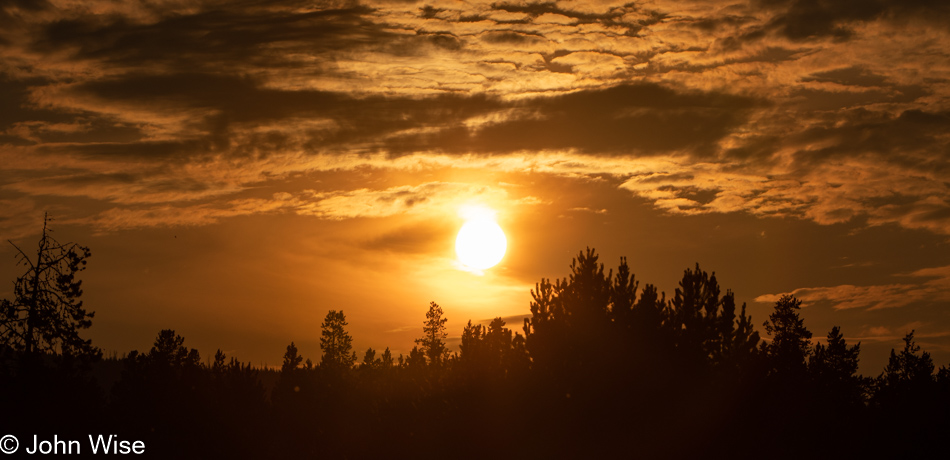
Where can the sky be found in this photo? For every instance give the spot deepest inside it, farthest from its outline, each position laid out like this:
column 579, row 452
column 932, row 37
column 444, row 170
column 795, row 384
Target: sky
column 240, row 168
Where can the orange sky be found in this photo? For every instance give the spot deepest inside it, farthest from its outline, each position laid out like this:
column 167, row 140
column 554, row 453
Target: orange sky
column 240, row 168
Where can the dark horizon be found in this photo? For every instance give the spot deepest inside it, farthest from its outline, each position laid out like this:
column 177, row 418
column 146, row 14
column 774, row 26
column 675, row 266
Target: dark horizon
column 603, row 360
column 233, row 151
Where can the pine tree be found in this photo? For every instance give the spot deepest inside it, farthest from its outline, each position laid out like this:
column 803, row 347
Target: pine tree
column 218, row 366
column 433, row 340
column 369, row 359
column 623, row 295
column 386, row 362
column 169, row 350
column 834, row 369
column 790, row 347
column 46, row 313
column 416, row 361
column 910, row 367
column 292, row 382
column 336, row 343
column 473, row 353
column 291, row 359
column 693, row 316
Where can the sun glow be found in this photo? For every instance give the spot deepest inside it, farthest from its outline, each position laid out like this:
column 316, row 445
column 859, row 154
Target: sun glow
column 481, row 243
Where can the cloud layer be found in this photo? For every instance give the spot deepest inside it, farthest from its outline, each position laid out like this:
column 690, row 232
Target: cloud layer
column 821, row 111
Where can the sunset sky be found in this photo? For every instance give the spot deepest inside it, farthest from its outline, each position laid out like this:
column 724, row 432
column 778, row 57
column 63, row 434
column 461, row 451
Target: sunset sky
column 240, row 168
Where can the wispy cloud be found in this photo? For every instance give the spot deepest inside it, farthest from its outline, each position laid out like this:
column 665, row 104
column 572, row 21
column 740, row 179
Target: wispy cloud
column 432, row 199
column 930, row 286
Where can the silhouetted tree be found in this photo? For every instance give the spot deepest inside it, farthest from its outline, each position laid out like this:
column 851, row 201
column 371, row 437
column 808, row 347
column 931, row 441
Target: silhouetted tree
column 386, row 361
column 648, row 316
column 369, row 359
column 433, row 339
column 790, row 347
column 745, row 339
column 336, row 343
column 943, row 379
column 570, row 320
column 908, row 404
column 692, row 315
column 164, row 391
column 491, row 352
column 169, row 351
column 291, row 359
column 623, row 295
column 416, row 361
column 218, row 365
column 587, row 294
column 910, row 366
column 611, row 369
column 46, row 313
column 294, row 384
column 704, row 324
column 473, row 349
column 834, row 369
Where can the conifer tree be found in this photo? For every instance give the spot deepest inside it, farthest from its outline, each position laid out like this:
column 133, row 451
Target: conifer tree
column 336, row 343
column 369, row 359
column 46, row 313
column 433, row 339
column 386, row 361
column 291, row 359
column 910, row 367
column 790, row 347
column 834, row 369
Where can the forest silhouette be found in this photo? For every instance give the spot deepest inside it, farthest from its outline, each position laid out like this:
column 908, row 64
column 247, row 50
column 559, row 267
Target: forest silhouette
column 602, row 368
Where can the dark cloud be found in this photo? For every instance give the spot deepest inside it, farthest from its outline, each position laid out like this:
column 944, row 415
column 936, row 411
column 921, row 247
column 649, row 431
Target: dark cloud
column 15, row 100
column 612, row 17
column 815, row 99
column 175, row 151
column 227, row 101
column 23, row 122
column 849, row 76
column 210, row 37
column 12, row 12
column 914, row 139
column 626, row 119
column 441, row 39
column 415, row 239
column 710, row 24
column 772, row 54
column 429, row 11
column 512, row 37
column 240, row 99
column 805, row 19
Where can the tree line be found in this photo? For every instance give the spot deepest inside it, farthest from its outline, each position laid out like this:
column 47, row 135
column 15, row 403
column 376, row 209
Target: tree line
column 602, row 367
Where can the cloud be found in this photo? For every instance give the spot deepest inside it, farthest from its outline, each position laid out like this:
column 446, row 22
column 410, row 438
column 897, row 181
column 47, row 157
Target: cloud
column 421, row 238
column 204, row 35
column 933, row 288
column 116, row 219
column 804, row 19
column 627, row 119
column 164, row 111
column 428, row 199
column 440, row 198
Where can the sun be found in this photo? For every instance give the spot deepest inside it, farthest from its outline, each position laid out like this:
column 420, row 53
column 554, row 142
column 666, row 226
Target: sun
column 481, row 243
